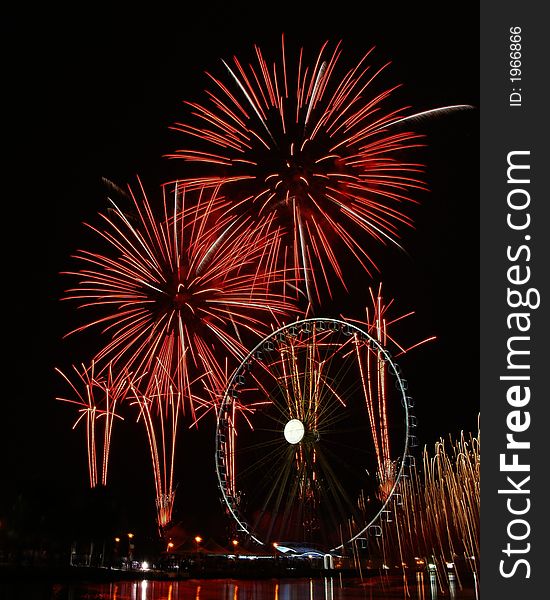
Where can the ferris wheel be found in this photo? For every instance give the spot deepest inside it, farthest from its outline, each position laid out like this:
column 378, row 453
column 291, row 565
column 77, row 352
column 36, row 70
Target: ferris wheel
column 313, row 434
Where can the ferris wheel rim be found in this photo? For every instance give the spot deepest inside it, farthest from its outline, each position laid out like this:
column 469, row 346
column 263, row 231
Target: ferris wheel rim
column 404, row 398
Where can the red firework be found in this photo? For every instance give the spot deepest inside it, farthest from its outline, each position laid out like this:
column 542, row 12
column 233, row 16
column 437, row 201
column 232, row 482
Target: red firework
column 316, row 150
column 97, row 397
column 374, row 380
column 176, row 294
column 179, row 288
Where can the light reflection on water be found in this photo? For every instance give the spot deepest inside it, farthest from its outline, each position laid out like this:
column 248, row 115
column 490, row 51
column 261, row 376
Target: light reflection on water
column 228, row 589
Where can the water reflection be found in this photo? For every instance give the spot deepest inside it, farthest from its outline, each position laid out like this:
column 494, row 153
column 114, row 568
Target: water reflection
column 421, row 594
column 327, row 588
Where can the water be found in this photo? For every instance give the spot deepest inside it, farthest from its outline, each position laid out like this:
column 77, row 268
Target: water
column 230, row 589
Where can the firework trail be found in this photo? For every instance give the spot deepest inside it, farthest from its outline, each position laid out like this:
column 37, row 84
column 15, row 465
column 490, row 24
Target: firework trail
column 375, row 378
column 97, row 397
column 174, row 293
column 160, row 411
column 315, row 150
column 437, row 519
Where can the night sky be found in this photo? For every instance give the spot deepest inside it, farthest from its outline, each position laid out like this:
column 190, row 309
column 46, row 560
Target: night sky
column 92, row 95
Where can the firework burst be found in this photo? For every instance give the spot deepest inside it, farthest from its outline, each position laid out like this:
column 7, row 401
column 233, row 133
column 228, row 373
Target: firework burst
column 176, row 289
column 174, row 294
column 316, row 149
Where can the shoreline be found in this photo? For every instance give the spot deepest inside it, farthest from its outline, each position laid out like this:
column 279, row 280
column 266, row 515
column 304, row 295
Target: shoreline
column 58, row 575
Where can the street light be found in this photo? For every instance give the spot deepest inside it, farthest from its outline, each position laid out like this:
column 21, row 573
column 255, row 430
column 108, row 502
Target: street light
column 130, row 550
column 235, row 544
column 198, row 540
column 170, row 546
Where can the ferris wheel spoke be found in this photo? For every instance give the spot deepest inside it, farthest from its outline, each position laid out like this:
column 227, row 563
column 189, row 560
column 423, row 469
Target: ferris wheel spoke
column 278, row 484
column 289, row 504
column 273, row 458
column 329, row 414
column 341, row 499
column 330, row 444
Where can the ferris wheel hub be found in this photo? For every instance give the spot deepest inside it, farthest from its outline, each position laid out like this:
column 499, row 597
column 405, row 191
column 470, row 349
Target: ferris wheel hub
column 294, row 431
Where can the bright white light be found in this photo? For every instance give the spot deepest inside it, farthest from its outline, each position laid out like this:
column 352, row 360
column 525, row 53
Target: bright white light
column 144, row 589
column 294, row 431
column 145, row 565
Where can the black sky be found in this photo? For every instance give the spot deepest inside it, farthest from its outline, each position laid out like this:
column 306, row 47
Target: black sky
column 91, row 94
